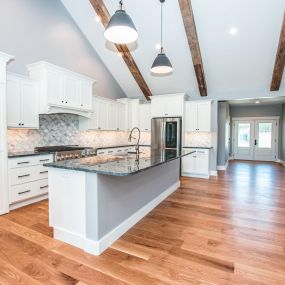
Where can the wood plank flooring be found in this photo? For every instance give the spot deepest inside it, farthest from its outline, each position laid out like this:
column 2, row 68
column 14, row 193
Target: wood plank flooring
column 226, row 230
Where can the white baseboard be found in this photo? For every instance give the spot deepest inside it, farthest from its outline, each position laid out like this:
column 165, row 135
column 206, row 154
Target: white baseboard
column 223, row 167
column 195, row 175
column 97, row 247
column 281, row 162
column 28, row 202
column 214, row 173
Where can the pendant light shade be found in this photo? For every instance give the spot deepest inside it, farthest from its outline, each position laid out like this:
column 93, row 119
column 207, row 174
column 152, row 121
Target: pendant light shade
column 161, row 64
column 121, row 29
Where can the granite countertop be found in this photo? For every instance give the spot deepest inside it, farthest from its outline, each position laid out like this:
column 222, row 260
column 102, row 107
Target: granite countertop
column 120, row 165
column 201, row 147
column 25, row 153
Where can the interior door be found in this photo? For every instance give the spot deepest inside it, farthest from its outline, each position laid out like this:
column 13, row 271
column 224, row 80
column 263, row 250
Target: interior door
column 244, row 140
column 265, row 140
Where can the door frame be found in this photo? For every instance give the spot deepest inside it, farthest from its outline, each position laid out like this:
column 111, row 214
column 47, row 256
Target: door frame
column 234, row 140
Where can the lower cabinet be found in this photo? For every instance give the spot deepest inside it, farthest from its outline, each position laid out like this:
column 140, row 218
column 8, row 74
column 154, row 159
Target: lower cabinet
column 197, row 164
column 28, row 179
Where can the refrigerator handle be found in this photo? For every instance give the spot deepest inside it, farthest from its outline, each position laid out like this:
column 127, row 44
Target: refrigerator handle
column 163, row 134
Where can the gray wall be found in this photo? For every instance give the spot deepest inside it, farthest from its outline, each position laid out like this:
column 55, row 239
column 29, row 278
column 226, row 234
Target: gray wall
column 223, row 133
column 261, row 111
column 33, row 30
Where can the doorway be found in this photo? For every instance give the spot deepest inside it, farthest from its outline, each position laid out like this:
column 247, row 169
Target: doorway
column 255, row 138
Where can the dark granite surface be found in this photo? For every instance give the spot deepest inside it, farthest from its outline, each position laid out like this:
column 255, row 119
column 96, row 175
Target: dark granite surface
column 25, row 153
column 120, row 165
column 118, row 146
column 199, row 147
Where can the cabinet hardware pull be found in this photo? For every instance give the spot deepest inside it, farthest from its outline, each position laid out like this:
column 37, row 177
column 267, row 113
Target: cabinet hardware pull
column 25, row 175
column 110, row 151
column 43, row 172
column 23, row 162
column 43, row 187
column 24, row 192
column 43, row 160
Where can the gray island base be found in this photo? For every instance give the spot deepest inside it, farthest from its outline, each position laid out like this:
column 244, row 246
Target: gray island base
column 91, row 210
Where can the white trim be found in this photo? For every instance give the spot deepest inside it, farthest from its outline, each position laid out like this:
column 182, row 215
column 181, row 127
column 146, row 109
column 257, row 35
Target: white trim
column 195, row 175
column 97, row 247
column 255, row 118
column 214, row 173
column 28, row 202
column 281, row 161
column 223, row 167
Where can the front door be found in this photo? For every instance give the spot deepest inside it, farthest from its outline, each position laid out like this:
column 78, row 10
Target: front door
column 256, row 139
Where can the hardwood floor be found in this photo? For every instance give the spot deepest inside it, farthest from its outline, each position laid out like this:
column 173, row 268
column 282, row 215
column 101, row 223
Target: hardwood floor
column 228, row 230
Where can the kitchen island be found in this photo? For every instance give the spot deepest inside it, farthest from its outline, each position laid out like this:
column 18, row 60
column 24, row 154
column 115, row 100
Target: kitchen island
column 95, row 200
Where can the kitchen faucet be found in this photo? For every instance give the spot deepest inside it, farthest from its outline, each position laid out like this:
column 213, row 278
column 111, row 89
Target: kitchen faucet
column 138, row 141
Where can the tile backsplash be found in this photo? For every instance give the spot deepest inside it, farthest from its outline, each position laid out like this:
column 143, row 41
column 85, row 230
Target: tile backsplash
column 201, row 139
column 63, row 129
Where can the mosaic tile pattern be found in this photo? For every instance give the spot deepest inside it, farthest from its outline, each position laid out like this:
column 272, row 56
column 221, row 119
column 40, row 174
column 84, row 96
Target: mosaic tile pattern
column 63, row 129
column 201, row 139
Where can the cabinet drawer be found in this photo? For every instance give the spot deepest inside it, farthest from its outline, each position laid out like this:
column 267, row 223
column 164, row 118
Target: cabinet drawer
column 26, row 191
column 27, row 174
column 29, row 161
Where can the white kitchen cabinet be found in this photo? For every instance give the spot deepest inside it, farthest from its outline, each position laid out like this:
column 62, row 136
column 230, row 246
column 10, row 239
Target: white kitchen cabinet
column 145, row 117
column 171, row 105
column 28, row 179
column 196, row 164
column 112, row 116
column 61, row 90
column 22, row 102
column 121, row 117
column 101, row 114
column 198, row 116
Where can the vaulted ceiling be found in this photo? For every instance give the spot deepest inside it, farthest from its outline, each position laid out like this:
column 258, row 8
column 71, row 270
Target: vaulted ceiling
column 238, row 42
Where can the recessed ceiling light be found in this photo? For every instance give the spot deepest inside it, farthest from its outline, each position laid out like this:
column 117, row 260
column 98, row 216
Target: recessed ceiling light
column 158, row 46
column 233, row 31
column 257, row 102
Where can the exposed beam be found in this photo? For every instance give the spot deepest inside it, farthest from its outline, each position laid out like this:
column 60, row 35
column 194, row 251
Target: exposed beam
column 102, row 12
column 191, row 32
column 279, row 61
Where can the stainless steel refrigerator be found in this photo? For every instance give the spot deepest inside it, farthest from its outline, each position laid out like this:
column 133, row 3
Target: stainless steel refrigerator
column 166, row 133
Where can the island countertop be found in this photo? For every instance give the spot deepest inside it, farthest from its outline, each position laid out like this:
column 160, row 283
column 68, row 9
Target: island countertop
column 120, row 165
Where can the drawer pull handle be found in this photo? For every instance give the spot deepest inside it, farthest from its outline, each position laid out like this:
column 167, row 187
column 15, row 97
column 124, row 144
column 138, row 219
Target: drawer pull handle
column 23, row 162
column 25, row 175
column 43, row 172
column 24, row 192
column 110, row 151
column 43, row 187
column 43, row 160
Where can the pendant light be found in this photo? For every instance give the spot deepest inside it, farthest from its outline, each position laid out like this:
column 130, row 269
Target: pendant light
column 161, row 64
column 121, row 29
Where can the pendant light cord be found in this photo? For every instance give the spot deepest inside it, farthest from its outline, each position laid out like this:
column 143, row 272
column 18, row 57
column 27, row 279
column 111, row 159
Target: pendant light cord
column 121, row 5
column 161, row 15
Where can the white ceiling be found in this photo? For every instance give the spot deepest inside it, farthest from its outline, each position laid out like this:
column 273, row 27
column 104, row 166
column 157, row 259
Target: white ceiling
column 261, row 101
column 232, row 63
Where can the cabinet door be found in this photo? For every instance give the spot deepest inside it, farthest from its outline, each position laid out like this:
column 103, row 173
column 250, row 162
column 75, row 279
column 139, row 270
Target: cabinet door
column 72, row 91
column 145, row 117
column 13, row 103
column 173, row 107
column 112, row 116
column 121, row 117
column 55, row 83
column 202, row 164
column 102, row 114
column 157, row 108
column 86, row 95
column 204, row 117
column 29, row 105
column 189, row 164
column 191, row 117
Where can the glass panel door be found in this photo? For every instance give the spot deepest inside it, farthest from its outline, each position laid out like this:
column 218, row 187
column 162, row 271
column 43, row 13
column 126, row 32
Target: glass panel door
column 243, row 134
column 171, row 135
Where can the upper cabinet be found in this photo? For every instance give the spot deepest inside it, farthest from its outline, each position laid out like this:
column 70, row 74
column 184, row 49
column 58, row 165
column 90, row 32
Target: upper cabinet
column 171, row 105
column 198, row 116
column 22, row 102
column 107, row 115
column 62, row 90
column 145, row 117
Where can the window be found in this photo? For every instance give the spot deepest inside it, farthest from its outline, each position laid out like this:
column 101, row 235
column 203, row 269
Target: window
column 243, row 135
column 264, row 135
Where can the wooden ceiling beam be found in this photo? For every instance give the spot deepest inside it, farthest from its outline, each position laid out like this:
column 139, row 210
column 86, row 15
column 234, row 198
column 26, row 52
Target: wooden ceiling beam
column 102, row 12
column 279, row 61
column 193, row 41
